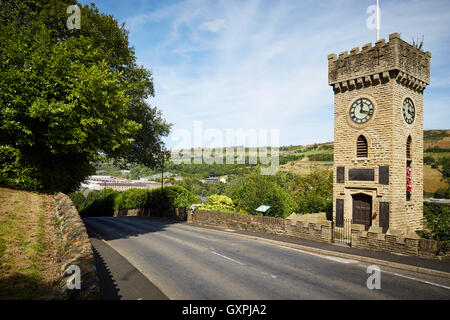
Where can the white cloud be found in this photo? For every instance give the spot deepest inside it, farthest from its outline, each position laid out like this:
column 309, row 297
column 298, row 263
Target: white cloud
column 267, row 67
column 214, row 25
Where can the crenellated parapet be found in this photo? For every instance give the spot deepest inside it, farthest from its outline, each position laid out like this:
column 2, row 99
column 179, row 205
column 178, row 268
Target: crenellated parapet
column 371, row 65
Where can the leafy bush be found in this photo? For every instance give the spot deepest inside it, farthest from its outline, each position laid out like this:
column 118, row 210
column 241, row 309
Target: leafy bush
column 442, row 193
column 429, row 160
column 257, row 189
column 78, row 199
column 437, row 149
column 131, row 199
column 186, row 199
column 99, row 203
column 437, row 222
column 171, row 197
column 219, row 203
column 313, row 203
column 104, row 202
column 14, row 171
column 313, row 192
column 290, row 157
column 321, row 157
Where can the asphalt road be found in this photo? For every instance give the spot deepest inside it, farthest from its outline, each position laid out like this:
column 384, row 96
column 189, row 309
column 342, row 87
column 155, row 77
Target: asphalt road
column 187, row 262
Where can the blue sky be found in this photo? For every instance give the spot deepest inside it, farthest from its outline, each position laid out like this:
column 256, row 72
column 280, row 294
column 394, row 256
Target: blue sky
column 263, row 64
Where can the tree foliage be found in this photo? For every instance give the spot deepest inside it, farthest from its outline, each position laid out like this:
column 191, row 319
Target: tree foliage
column 255, row 190
column 69, row 97
column 105, row 202
column 437, row 223
column 219, row 203
column 313, row 193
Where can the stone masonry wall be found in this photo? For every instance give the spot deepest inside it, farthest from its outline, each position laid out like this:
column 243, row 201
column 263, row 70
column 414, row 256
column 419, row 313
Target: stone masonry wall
column 311, row 231
column 375, row 240
column 74, row 249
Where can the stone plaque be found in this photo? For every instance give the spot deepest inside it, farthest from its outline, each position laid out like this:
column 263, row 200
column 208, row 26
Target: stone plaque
column 339, row 213
column 384, row 216
column 340, row 175
column 383, row 175
column 361, row 175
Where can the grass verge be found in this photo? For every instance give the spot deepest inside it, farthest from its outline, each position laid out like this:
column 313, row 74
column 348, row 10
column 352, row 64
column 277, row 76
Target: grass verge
column 27, row 253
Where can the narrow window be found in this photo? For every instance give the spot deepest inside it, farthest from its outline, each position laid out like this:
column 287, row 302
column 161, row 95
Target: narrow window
column 361, row 147
column 408, row 148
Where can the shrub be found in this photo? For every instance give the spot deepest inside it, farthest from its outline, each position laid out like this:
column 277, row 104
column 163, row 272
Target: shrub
column 437, row 222
column 321, row 157
column 104, row 202
column 429, row 160
column 311, row 192
column 99, row 203
column 78, row 199
column 131, row 199
column 219, row 203
column 313, row 203
column 442, row 193
column 14, row 171
column 258, row 190
column 171, row 197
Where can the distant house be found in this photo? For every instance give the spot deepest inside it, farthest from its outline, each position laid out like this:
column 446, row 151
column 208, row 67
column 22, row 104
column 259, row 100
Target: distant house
column 108, row 182
column 165, row 175
column 214, row 179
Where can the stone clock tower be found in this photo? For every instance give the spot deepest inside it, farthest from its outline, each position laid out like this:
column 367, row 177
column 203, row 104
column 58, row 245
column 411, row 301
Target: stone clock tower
column 378, row 135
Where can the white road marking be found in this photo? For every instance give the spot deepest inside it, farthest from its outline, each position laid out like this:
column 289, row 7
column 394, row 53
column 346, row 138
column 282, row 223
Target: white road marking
column 228, row 258
column 341, row 260
column 415, row 279
column 336, row 259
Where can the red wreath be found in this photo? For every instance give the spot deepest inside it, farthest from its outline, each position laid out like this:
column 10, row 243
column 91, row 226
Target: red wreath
column 408, row 179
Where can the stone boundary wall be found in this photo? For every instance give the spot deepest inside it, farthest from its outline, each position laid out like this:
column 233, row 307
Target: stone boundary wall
column 411, row 244
column 311, row 231
column 173, row 213
column 74, row 248
column 322, row 231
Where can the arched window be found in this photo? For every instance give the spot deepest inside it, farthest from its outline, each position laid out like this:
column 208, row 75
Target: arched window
column 361, row 147
column 408, row 147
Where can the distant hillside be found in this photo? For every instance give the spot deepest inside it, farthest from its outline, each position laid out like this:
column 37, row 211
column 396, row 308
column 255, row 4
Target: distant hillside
column 300, row 159
column 436, row 138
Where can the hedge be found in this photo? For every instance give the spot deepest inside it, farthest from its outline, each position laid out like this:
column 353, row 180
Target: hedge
column 105, row 202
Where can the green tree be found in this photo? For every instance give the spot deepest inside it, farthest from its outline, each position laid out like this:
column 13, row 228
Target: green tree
column 70, row 97
column 445, row 162
column 314, row 192
column 437, row 223
column 256, row 189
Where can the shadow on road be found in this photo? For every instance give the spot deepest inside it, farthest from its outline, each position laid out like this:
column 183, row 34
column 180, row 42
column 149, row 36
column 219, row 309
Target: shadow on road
column 119, row 280
column 112, row 228
column 108, row 287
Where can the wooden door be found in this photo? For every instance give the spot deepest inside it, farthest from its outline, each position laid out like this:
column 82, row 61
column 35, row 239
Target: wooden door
column 362, row 210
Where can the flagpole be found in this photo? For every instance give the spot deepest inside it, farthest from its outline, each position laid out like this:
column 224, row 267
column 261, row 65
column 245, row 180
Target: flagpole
column 378, row 20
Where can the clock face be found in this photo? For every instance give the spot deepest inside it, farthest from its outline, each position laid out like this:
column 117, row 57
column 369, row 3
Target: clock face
column 361, row 111
column 409, row 111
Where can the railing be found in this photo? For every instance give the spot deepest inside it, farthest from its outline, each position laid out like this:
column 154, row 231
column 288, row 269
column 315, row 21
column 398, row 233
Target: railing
column 343, row 231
